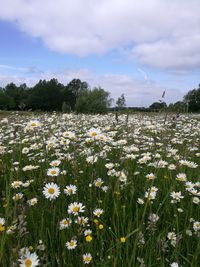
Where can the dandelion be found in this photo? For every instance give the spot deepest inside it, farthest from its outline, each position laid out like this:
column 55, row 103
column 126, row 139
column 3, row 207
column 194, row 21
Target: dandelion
column 51, row 191
column 122, row 239
column 2, row 226
column 101, row 226
column 88, row 238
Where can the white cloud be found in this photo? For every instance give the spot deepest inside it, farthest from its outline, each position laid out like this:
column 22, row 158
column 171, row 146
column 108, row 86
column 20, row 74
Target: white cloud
column 158, row 33
column 138, row 92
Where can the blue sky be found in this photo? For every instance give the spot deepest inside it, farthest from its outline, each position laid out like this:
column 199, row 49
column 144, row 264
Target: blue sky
column 139, row 48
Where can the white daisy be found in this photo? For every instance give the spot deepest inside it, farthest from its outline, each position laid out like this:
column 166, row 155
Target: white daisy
column 51, row 191
column 75, row 208
column 65, row 223
column 53, row 171
column 87, row 257
column 98, row 212
column 72, row 244
column 55, row 163
column 29, row 260
column 70, row 190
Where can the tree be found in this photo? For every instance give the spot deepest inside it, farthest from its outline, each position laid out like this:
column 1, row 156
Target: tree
column 66, row 107
column 192, row 100
column 46, row 95
column 157, row 106
column 179, row 106
column 121, row 102
column 93, row 101
column 72, row 91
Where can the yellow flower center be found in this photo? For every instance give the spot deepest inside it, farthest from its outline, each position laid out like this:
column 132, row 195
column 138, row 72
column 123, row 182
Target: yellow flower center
column 71, row 243
column 33, row 124
column 76, row 209
column 28, row 262
column 17, row 197
column 94, row 134
column 51, row 190
column 98, row 184
column 65, row 222
column 53, row 172
column 87, row 259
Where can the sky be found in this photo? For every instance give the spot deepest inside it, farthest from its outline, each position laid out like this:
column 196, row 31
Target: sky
column 136, row 47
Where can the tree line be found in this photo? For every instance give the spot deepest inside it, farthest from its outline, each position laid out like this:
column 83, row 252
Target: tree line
column 77, row 96
column 54, row 96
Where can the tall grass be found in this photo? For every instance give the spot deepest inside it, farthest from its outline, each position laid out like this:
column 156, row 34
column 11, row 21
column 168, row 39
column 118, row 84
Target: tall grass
column 134, row 227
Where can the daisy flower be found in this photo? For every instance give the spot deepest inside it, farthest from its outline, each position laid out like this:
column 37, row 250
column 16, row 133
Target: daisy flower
column 82, row 220
column 75, row 208
column 55, row 163
column 29, row 260
column 72, row 244
column 53, row 171
column 174, row 264
column 34, row 124
column 150, row 176
column 176, row 196
column 32, row 202
column 196, row 226
column 181, row 177
column 70, row 190
column 16, row 184
column 87, row 232
column 98, row 212
column 18, row 196
column 51, row 191
column 87, row 257
column 98, row 182
column 65, row 223
column 94, row 132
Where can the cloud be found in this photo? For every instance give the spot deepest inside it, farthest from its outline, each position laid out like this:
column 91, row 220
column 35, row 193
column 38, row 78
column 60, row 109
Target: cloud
column 158, row 33
column 8, row 67
column 138, row 92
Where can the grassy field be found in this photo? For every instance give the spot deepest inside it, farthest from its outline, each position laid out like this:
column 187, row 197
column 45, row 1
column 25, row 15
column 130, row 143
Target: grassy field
column 82, row 190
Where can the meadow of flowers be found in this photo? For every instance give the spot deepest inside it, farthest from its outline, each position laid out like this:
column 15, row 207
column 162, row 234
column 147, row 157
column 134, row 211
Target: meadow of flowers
column 81, row 190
